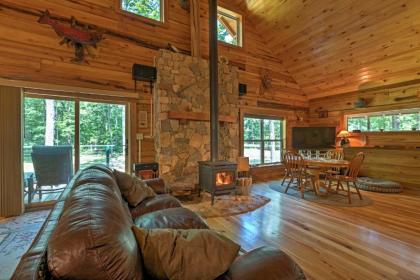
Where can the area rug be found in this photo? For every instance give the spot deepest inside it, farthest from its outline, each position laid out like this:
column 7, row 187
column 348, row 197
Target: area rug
column 224, row 205
column 16, row 235
column 330, row 199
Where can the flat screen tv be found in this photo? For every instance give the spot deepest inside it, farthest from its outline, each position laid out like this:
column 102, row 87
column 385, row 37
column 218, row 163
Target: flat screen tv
column 313, row 137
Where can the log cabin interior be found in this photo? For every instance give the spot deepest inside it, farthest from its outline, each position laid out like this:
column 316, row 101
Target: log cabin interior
column 205, row 139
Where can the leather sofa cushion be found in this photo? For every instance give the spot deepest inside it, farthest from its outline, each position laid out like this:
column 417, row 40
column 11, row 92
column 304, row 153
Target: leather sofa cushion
column 94, row 175
column 133, row 189
column 93, row 238
column 102, row 175
column 103, row 168
column 159, row 202
column 267, row 263
column 185, row 254
column 173, row 218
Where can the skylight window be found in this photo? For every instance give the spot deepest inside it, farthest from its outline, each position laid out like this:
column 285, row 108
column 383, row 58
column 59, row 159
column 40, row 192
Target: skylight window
column 151, row 9
column 229, row 27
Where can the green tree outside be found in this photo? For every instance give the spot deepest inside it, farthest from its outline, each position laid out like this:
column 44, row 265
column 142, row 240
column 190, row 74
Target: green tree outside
column 101, row 125
column 385, row 122
column 147, row 8
column 224, row 35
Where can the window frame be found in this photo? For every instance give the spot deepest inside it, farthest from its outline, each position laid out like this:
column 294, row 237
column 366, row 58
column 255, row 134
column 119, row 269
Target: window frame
column 240, row 19
column 163, row 14
column 262, row 141
column 369, row 115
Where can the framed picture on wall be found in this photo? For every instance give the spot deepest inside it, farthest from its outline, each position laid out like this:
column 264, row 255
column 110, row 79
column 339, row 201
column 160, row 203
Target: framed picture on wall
column 142, row 119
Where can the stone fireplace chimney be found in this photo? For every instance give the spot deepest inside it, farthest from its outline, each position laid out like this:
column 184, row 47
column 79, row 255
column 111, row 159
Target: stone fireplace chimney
column 189, row 88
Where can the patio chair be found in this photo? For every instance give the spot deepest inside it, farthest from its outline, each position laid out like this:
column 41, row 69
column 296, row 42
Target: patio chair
column 53, row 166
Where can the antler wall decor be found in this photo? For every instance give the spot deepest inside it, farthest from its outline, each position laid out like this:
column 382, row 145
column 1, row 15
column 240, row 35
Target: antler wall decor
column 185, row 4
column 80, row 39
column 266, row 81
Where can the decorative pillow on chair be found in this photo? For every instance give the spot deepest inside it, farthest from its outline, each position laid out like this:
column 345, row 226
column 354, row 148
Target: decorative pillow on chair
column 185, row 254
column 133, row 189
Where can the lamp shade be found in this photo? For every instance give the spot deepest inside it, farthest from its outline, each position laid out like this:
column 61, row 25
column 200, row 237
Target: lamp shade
column 343, row 134
column 243, row 164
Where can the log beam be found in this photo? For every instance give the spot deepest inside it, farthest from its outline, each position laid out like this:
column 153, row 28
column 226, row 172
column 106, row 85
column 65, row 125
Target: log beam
column 195, row 28
column 197, row 116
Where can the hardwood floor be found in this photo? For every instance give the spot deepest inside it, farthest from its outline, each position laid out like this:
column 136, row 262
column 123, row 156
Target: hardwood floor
column 380, row 241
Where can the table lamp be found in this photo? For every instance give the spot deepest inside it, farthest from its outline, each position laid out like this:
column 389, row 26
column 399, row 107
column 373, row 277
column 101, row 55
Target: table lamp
column 344, row 134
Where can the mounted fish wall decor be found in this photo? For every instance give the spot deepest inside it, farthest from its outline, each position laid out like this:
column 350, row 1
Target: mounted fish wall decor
column 82, row 40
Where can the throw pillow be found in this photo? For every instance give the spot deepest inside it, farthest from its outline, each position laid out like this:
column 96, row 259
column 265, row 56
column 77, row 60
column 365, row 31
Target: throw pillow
column 185, row 254
column 133, row 189
column 174, row 218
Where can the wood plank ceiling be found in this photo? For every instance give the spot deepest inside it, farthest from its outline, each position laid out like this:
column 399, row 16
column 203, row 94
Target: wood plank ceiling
column 332, row 47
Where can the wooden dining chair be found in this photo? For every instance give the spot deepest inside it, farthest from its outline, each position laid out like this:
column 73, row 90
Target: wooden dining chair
column 288, row 168
column 296, row 166
column 350, row 177
column 336, row 155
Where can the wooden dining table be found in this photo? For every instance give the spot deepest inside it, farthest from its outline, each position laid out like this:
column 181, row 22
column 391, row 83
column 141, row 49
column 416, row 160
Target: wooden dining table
column 316, row 166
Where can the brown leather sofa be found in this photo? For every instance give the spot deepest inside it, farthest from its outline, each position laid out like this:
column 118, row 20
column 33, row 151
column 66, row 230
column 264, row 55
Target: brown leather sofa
column 88, row 235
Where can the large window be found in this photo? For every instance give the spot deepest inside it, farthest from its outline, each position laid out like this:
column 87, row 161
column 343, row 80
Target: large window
column 229, row 27
column 152, row 9
column 263, row 140
column 404, row 120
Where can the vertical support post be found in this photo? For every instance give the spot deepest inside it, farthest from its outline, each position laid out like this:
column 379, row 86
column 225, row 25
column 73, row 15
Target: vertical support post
column 195, row 28
column 214, row 73
column 76, row 135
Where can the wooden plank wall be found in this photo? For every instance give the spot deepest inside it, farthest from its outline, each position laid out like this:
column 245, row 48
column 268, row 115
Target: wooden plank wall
column 392, row 164
column 30, row 51
column 394, row 97
column 11, row 203
column 253, row 58
column 401, row 162
column 267, row 173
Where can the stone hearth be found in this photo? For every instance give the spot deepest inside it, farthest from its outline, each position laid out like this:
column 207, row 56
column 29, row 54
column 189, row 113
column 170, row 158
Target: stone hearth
column 183, row 87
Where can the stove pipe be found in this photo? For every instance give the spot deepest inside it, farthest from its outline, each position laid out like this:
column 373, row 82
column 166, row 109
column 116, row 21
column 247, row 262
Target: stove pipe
column 214, row 73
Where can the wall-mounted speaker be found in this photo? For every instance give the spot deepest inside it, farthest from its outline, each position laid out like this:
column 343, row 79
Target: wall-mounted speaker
column 144, row 73
column 242, row 89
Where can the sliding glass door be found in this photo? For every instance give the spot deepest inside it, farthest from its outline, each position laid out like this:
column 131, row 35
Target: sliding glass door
column 102, row 134
column 64, row 135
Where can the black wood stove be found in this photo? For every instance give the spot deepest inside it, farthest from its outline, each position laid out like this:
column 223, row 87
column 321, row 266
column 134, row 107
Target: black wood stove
column 216, row 177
